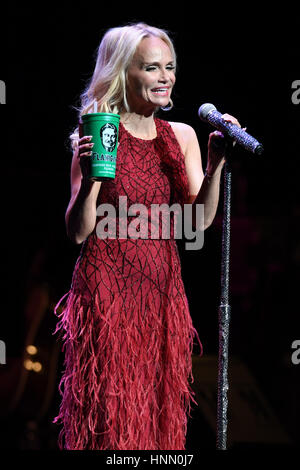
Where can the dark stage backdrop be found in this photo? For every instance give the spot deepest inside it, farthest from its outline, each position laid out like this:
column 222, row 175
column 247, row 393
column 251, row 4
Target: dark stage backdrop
column 247, row 64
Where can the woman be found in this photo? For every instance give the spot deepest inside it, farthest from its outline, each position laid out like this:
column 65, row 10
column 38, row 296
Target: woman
column 127, row 328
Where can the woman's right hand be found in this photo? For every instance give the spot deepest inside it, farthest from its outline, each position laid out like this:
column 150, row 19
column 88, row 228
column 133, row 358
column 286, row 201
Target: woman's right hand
column 81, row 213
column 84, row 152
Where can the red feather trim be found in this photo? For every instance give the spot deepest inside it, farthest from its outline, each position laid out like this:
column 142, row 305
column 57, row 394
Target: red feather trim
column 127, row 371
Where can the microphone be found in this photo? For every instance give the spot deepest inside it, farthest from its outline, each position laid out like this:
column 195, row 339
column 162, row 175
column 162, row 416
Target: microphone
column 208, row 113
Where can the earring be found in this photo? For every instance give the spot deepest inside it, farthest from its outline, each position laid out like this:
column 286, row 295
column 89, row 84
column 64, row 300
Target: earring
column 168, row 107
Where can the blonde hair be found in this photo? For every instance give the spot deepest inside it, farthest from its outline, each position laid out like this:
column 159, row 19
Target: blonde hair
column 108, row 83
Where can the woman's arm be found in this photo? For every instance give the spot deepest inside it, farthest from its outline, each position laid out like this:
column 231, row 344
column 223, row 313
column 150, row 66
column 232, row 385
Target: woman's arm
column 208, row 191
column 81, row 212
column 203, row 189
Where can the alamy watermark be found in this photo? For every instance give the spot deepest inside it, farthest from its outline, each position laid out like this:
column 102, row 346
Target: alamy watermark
column 296, row 94
column 140, row 221
column 2, row 352
column 296, row 354
column 2, row 92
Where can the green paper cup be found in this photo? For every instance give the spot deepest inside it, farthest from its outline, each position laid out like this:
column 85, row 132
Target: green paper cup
column 104, row 127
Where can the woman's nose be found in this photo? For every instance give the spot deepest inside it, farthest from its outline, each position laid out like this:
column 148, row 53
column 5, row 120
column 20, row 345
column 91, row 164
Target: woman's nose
column 163, row 76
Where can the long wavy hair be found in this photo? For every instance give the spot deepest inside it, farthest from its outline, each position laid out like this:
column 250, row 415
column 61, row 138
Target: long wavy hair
column 108, row 83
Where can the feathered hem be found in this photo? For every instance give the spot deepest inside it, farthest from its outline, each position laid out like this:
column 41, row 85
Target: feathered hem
column 126, row 382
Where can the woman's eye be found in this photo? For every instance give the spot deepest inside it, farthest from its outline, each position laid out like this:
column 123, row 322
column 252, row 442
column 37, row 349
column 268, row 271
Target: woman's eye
column 150, row 68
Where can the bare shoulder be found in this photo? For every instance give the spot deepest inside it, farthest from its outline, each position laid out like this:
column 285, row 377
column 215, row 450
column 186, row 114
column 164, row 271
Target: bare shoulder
column 185, row 134
column 185, row 130
column 188, row 140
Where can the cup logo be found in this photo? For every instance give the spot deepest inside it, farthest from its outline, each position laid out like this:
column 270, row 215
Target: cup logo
column 108, row 135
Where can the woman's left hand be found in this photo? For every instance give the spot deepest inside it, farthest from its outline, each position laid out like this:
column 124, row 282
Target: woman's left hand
column 217, row 148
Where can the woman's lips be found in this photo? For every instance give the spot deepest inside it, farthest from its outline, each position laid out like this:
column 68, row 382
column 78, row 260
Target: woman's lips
column 162, row 91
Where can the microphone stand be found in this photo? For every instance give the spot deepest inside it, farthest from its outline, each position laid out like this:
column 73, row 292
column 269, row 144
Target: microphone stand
column 224, row 310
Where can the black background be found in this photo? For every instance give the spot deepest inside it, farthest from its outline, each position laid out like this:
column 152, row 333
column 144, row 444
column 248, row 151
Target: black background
column 244, row 61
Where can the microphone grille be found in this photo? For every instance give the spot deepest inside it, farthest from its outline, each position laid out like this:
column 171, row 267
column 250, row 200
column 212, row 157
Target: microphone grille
column 205, row 109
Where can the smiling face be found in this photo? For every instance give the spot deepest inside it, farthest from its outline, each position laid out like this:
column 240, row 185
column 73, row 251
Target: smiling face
column 109, row 137
column 150, row 76
column 108, row 134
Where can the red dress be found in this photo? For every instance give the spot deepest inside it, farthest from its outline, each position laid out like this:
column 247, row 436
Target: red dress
column 126, row 326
